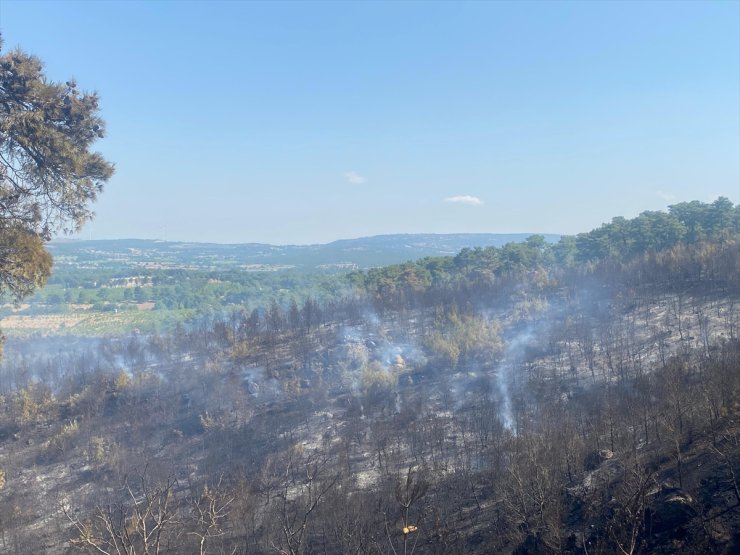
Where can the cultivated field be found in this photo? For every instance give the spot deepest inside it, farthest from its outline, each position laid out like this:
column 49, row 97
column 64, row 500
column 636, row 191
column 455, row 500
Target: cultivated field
column 91, row 323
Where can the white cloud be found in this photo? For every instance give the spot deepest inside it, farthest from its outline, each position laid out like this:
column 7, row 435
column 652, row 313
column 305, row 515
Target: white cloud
column 465, row 199
column 355, row 178
column 668, row 197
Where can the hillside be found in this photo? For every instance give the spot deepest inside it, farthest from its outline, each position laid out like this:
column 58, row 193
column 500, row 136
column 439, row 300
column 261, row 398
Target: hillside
column 364, row 252
column 106, row 287
column 505, row 400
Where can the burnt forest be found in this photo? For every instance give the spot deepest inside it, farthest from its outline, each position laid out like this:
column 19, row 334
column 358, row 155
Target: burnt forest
column 540, row 397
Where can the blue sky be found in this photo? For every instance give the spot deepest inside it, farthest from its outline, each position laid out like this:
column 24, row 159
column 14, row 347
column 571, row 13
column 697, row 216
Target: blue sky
column 308, row 122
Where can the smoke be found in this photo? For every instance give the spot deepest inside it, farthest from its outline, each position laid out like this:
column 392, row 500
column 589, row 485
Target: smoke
column 513, row 355
column 398, row 354
column 373, row 353
column 533, row 321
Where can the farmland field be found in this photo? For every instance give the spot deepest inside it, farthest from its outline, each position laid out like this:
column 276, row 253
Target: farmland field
column 90, row 323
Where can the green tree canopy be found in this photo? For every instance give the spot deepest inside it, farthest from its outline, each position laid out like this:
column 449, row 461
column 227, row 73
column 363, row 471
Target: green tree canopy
column 48, row 174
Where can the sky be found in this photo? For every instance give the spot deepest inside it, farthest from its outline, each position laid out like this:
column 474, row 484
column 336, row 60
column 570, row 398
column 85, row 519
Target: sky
column 305, row 122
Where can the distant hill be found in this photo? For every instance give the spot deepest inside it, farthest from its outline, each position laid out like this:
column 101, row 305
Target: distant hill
column 364, row 252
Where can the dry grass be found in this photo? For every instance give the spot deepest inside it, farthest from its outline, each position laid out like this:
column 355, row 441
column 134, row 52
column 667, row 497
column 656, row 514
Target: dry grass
column 41, row 322
column 89, row 323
